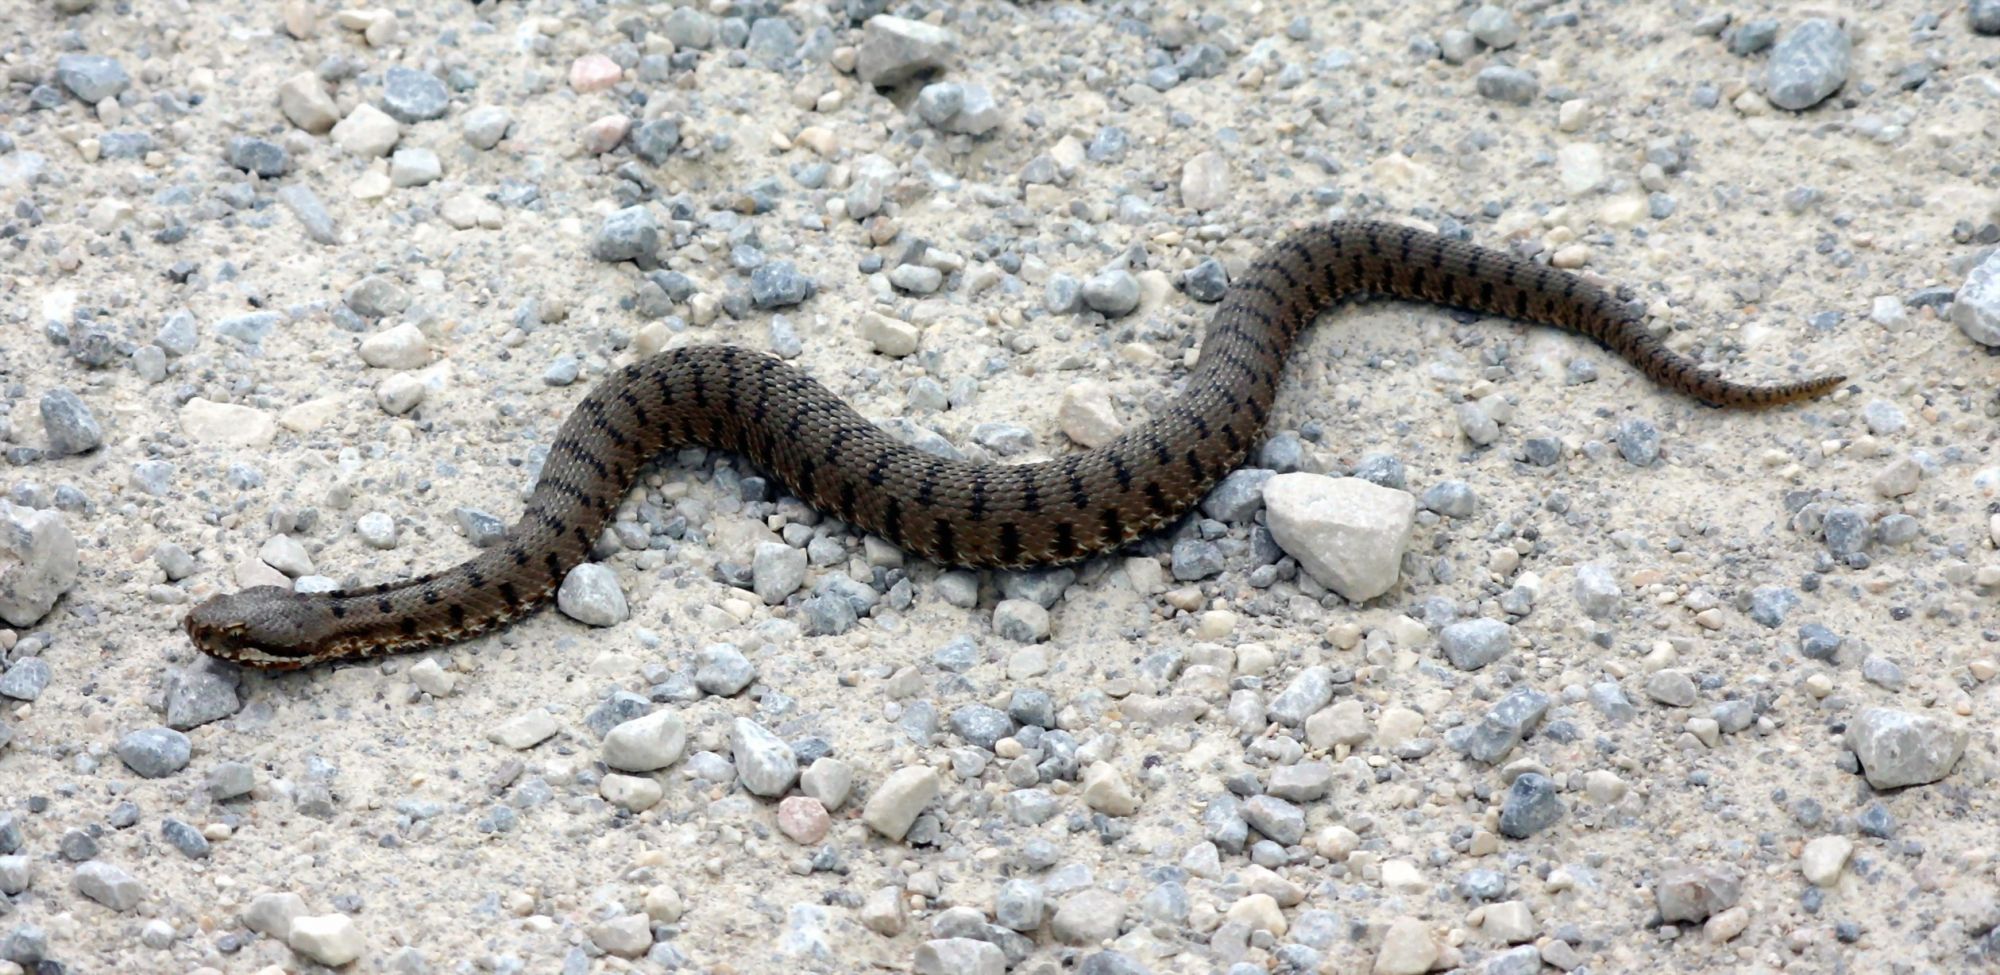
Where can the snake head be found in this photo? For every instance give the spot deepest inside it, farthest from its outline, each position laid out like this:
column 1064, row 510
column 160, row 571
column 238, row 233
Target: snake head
column 270, row 627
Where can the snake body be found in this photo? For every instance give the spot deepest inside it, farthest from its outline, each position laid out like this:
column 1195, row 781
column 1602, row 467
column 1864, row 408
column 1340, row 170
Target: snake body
column 951, row 511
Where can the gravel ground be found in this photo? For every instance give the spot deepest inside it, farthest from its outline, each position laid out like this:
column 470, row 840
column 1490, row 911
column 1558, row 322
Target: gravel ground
column 1497, row 659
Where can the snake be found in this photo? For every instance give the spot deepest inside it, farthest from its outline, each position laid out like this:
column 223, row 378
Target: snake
column 951, row 511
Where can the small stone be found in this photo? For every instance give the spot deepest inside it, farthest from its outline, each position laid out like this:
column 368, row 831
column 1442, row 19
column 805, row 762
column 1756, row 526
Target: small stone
column 1898, row 748
column 154, row 752
column 1087, row 917
column 311, row 214
column 594, row 72
column 1809, row 63
column 1502, row 83
column 201, row 693
column 1472, row 644
column 1106, row 790
column 258, row 157
column 485, row 126
column 779, row 284
column 656, row 140
column 1493, row 26
column 895, row 803
column 304, row 101
column 272, row 914
column 764, row 763
column 885, row 913
column 590, row 594
column 92, row 78
column 1205, row 181
column 70, row 427
column 1407, row 948
column 645, row 744
column 524, row 730
column 722, row 670
column 895, row 49
column 803, row 819
column 631, row 234
column 1824, row 858
column 414, row 166
column 1694, row 893
column 229, row 780
column 1021, row 621
column 410, row 95
column 1283, row 822
column 108, row 885
column 1530, row 806
column 329, row 939
column 1112, row 293
column 1347, row 533
column 777, row 570
column 633, row 793
column 626, row 936
column 367, row 131
column 829, row 780
column 38, row 564
column 1306, row 694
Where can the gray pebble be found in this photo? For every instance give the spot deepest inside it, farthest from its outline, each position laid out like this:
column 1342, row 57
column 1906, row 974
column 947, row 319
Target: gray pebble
column 1112, row 293
column 773, row 42
column 25, row 679
column 1530, row 806
column 1733, row 715
column 631, row 234
column 92, row 78
column 1019, row 905
column 1753, row 37
column 1494, row 27
column 1697, row 892
column 1501, row 728
column 981, row 725
column 1673, row 688
column 184, row 838
column 1238, row 497
column 177, row 336
column 1639, row 442
column 70, row 427
column 1282, row 821
column 1898, row 748
column 1309, row 691
column 1382, row 469
column 481, row 529
column 1596, row 590
column 1473, row 644
column 764, row 763
column 1769, row 605
column 200, row 693
column 1062, row 294
column 1809, row 63
column 410, row 95
column 1818, row 642
column 257, row 156
column 777, row 570
column 311, row 214
column 656, row 140
column 722, row 670
column 590, row 594
column 938, row 102
column 414, row 166
column 1284, row 452
column 228, row 780
column 109, row 886
column 1453, row 499
column 1502, row 83
column 957, row 656
column 250, row 329
column 1984, row 16
column 1845, row 531
column 689, row 28
column 1020, row 621
column 485, row 126
column 1195, row 559
column 1882, row 672
column 779, row 284
column 916, row 278
column 26, row 946
column 563, row 371
column 154, row 752
column 77, row 845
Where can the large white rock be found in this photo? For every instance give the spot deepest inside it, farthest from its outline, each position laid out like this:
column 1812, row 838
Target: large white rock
column 1347, row 532
column 37, row 562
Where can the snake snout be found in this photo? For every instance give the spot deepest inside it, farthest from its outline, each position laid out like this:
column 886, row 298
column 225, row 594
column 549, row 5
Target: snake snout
column 265, row 626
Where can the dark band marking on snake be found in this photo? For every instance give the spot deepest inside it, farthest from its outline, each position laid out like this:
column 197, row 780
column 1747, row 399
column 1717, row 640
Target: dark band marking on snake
column 957, row 512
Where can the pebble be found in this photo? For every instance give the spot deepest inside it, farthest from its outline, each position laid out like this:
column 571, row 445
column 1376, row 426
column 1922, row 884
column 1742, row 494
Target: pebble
column 1975, row 308
column 894, row 804
column 1898, row 748
column 804, row 820
column 777, row 571
column 411, row 96
column 631, row 792
column 1309, row 691
column 524, row 730
column 1087, row 415
column 1472, row 644
column 109, row 885
column 959, row 956
column 483, row 127
column 1407, row 949
column 645, row 744
column 201, row 693
column 1205, row 181
column 329, row 939
column 590, row 594
column 312, row 215
column 1809, row 63
column 38, row 564
column 722, row 670
column 1113, row 293
column 1495, row 734
column 1530, row 807
column 367, row 131
column 895, row 49
column 305, row 103
column 258, row 157
column 1693, row 893
column 155, row 752
column 1106, row 790
column 594, row 72
column 414, row 166
column 764, row 763
column 1238, row 497
column 779, row 284
column 1087, row 917
column 1493, row 26
column 1348, row 533
column 92, row 78
column 1021, row 621
column 828, row 780
column 1502, row 83
column 1984, row 16
column 68, row 423
column 1823, row 859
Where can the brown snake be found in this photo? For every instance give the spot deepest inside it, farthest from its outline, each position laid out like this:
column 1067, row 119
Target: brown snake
column 952, row 511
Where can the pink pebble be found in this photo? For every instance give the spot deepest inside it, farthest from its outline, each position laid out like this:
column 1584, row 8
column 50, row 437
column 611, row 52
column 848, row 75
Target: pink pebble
column 803, row 819
column 594, row 72
column 603, row 135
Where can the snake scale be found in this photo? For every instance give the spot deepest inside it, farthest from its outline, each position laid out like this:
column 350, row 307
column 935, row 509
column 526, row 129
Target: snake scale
column 952, row 511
